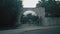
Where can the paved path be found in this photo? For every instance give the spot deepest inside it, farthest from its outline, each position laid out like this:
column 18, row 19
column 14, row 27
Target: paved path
column 25, row 29
column 49, row 31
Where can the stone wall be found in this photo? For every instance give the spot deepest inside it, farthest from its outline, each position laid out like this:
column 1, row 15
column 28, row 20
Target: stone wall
column 40, row 11
column 51, row 21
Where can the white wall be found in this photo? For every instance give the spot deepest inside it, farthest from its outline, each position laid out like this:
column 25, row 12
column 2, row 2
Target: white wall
column 41, row 11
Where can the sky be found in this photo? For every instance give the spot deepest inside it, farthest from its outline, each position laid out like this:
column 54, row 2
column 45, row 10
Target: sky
column 30, row 3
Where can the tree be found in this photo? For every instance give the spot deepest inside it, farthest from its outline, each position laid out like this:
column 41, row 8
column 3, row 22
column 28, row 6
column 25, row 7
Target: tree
column 9, row 11
column 51, row 7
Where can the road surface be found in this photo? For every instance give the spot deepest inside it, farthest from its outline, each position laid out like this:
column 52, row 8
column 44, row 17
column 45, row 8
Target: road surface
column 27, row 29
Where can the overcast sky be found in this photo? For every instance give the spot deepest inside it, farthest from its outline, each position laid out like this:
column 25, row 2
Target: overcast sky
column 30, row 3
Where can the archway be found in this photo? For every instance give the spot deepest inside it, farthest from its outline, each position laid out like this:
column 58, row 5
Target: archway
column 30, row 11
column 27, row 15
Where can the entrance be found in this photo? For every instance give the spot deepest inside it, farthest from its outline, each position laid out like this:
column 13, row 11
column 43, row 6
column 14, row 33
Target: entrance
column 29, row 17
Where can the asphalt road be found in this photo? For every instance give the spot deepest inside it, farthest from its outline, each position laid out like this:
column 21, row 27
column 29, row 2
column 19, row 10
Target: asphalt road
column 49, row 31
column 28, row 29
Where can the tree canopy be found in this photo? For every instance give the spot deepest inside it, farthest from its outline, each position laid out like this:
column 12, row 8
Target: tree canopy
column 9, row 11
column 51, row 7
